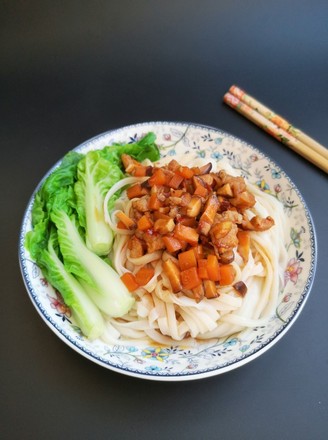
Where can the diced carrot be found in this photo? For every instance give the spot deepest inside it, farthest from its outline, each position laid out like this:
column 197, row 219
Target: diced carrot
column 213, row 268
column 164, row 226
column 186, row 172
column 140, row 171
column 173, row 165
column 186, row 234
column 172, row 244
column 227, row 273
column 173, row 273
column 190, row 278
column 158, row 178
column 154, row 203
column 210, row 289
column 243, row 244
column 202, row 269
column 127, row 221
column 201, row 191
column 144, row 223
column 175, row 181
column 121, row 225
column 187, row 259
column 144, row 275
column 136, row 191
column 130, row 281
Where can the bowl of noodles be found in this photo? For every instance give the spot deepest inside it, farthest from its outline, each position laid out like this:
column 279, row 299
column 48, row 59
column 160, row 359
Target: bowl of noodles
column 194, row 329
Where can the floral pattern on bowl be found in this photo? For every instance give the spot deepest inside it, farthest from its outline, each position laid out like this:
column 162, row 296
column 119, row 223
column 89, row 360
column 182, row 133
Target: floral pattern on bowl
column 178, row 362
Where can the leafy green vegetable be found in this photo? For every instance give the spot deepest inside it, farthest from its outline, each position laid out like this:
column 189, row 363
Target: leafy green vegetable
column 42, row 243
column 143, row 149
column 69, row 233
column 63, row 176
column 96, row 175
column 105, row 286
column 44, row 249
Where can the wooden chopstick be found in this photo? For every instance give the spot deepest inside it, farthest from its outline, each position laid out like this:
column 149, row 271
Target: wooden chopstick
column 278, row 120
column 284, row 132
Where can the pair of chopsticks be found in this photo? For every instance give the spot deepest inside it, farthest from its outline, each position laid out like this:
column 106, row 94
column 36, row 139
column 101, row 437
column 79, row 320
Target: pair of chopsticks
column 277, row 126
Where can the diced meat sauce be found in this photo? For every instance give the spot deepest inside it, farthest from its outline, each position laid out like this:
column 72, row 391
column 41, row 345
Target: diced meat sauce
column 180, row 209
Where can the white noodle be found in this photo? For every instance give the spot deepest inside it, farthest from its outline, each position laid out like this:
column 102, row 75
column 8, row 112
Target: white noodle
column 148, row 258
column 164, row 316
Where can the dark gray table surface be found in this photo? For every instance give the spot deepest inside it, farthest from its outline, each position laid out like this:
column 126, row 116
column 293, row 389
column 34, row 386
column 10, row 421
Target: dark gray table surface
column 71, row 70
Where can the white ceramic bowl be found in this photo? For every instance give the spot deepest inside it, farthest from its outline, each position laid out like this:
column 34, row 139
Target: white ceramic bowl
column 178, row 362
